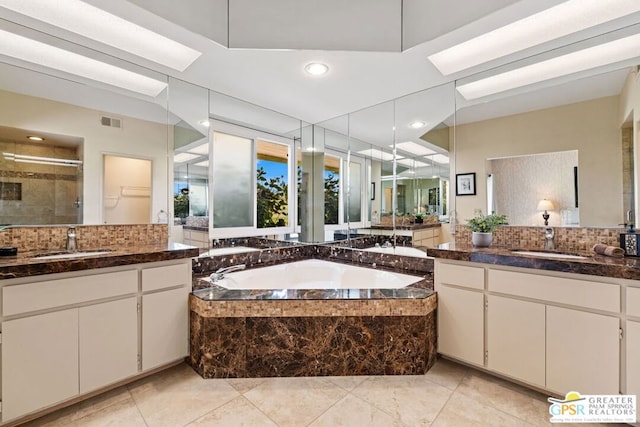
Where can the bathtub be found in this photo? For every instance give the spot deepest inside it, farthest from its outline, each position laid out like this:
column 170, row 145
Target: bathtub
column 315, row 274
column 399, row 250
column 228, row 251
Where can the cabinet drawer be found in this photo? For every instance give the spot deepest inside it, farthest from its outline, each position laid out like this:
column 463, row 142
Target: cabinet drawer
column 633, row 302
column 17, row 299
column 580, row 293
column 165, row 277
column 460, row 275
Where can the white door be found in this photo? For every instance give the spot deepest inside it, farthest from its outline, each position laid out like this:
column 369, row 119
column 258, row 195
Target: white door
column 516, row 339
column 633, row 357
column 461, row 324
column 39, row 362
column 165, row 329
column 108, row 343
column 583, row 352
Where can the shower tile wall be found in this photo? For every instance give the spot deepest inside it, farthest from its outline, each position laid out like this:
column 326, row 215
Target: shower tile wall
column 48, row 193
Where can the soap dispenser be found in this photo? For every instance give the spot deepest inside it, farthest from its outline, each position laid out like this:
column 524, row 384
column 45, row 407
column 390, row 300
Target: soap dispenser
column 630, row 242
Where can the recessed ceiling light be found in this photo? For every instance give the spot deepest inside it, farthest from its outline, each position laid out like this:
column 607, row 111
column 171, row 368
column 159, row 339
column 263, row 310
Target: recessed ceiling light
column 558, row 21
column 316, row 68
column 414, row 148
column 49, row 56
column 94, row 23
column 417, row 124
column 204, row 122
column 35, row 138
column 585, row 59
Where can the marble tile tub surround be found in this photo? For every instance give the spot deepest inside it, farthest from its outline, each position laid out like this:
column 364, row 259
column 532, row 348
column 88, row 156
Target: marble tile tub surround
column 568, row 239
column 313, row 345
column 53, row 238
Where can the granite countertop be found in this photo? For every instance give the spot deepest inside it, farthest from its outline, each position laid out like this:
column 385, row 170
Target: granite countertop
column 27, row 264
column 406, row 227
column 218, row 293
column 592, row 264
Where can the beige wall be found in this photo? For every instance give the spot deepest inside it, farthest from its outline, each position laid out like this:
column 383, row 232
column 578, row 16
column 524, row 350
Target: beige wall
column 136, row 138
column 591, row 127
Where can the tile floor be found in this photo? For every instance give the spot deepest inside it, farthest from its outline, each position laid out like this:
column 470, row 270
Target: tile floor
column 448, row 395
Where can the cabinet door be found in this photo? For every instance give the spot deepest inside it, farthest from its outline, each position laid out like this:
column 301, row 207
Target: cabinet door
column 516, row 339
column 39, row 362
column 108, row 343
column 165, row 329
column 583, row 352
column 461, row 324
column 633, row 357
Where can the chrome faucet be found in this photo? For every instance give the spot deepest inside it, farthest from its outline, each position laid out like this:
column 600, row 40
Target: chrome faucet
column 549, row 239
column 219, row 274
column 72, row 239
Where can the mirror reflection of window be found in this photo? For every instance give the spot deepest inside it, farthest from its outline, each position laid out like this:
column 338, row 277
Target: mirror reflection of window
column 331, row 189
column 233, row 172
column 272, row 184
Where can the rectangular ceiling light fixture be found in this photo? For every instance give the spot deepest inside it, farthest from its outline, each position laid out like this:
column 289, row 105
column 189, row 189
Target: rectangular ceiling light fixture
column 204, row 164
column 49, row 56
column 581, row 60
column 440, row 158
column 184, row 157
column 412, row 163
column 374, row 153
column 202, row 149
column 23, row 158
column 550, row 24
column 96, row 24
column 413, row 148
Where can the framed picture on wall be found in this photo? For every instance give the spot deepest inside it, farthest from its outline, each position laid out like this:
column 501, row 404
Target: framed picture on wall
column 466, row 184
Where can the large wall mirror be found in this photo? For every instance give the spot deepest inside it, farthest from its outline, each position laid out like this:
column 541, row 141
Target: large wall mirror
column 569, row 142
column 56, row 133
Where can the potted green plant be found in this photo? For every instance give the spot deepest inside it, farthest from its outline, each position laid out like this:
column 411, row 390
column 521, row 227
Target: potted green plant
column 483, row 226
column 419, row 218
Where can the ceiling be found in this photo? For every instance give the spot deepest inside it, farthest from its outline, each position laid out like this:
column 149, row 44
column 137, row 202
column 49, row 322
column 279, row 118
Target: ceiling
column 275, row 78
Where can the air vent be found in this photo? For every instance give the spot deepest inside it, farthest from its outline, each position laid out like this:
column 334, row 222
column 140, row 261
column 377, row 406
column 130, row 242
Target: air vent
column 111, row 122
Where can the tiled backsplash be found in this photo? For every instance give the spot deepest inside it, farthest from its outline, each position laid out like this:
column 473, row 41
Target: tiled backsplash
column 579, row 239
column 51, row 238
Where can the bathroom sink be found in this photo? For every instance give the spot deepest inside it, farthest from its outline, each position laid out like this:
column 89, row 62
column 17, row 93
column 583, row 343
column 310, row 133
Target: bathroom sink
column 542, row 254
column 79, row 254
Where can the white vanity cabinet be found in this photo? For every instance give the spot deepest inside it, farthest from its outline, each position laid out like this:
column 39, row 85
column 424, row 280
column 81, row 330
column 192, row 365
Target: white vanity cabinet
column 460, row 311
column 108, row 340
column 39, row 361
column 583, row 352
column 68, row 334
column 165, row 314
column 632, row 334
column 554, row 331
column 516, row 338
